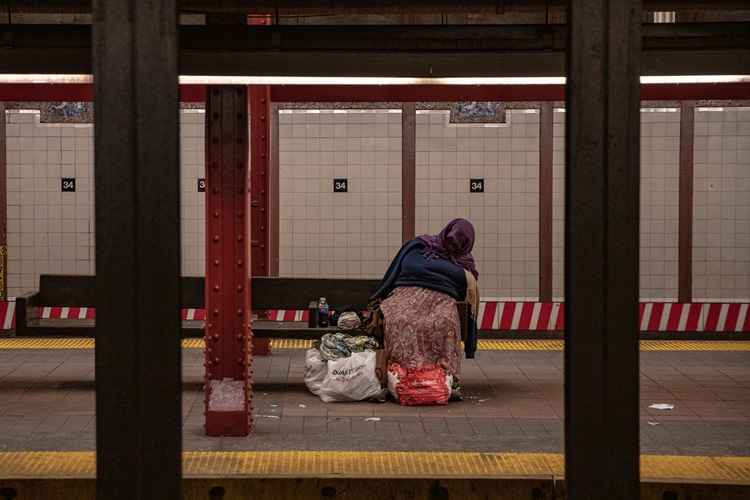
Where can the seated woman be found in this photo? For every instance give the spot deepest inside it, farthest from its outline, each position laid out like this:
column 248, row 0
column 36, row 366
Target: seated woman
column 419, row 294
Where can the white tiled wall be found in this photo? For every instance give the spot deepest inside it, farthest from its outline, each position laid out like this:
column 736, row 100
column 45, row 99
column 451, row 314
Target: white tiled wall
column 660, row 149
column 558, row 204
column 48, row 231
column 192, row 132
column 721, row 211
column 660, row 169
column 341, row 235
column 53, row 232
column 506, row 215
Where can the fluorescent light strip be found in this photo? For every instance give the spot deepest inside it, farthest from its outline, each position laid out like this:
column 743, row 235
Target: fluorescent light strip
column 357, row 80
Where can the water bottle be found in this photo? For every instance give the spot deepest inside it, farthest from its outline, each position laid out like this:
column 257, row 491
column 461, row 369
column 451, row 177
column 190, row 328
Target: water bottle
column 322, row 313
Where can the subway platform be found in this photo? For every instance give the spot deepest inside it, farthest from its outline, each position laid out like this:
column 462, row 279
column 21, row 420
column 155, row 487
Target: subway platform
column 509, row 425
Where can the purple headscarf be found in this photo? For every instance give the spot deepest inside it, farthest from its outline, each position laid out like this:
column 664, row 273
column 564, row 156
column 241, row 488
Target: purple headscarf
column 454, row 243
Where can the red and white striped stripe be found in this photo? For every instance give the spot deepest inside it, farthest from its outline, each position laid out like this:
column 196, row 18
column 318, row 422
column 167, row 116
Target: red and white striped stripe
column 497, row 315
column 193, row 315
column 653, row 316
column 526, row 316
column 67, row 313
column 287, row 315
column 697, row 317
column 8, row 314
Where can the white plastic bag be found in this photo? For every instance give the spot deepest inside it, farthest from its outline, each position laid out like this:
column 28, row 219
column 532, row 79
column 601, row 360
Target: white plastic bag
column 315, row 370
column 351, row 379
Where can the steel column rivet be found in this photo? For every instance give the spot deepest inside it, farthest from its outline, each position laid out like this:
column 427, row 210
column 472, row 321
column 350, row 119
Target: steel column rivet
column 216, row 214
column 216, row 312
column 216, row 337
column 239, row 262
column 216, row 288
column 240, row 288
column 239, row 237
column 239, row 312
column 216, row 263
column 216, row 238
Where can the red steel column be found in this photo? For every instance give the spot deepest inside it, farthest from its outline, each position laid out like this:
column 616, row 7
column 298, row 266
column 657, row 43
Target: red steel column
column 3, row 208
column 227, row 354
column 260, row 152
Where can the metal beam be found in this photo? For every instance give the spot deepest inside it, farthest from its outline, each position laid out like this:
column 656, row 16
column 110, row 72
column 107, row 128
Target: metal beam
column 686, row 186
column 546, row 125
column 411, row 51
column 327, row 7
column 408, row 171
column 138, row 383
column 3, row 206
column 601, row 250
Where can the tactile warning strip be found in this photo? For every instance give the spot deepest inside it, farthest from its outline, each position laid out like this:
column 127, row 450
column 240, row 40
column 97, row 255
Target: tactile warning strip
column 342, row 464
column 484, row 345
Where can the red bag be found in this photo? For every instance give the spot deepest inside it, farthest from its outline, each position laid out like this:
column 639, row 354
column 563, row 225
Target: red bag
column 428, row 385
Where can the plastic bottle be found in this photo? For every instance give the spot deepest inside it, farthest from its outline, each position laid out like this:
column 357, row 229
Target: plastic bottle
column 322, row 313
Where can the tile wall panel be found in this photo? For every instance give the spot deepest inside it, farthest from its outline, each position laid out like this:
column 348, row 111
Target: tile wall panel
column 339, row 235
column 558, row 204
column 506, row 215
column 721, row 214
column 53, row 232
column 48, row 231
column 192, row 159
column 660, row 170
column 660, row 157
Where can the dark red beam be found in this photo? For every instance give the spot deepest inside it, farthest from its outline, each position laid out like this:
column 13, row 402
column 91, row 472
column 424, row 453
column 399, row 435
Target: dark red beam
column 393, row 93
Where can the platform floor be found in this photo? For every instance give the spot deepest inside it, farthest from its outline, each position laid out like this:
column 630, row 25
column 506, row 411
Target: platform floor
column 513, row 403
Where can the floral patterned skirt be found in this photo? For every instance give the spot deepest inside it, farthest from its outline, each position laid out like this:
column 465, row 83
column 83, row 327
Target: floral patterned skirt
column 422, row 327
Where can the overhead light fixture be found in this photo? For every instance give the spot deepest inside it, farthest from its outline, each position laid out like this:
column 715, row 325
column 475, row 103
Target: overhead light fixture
column 367, row 80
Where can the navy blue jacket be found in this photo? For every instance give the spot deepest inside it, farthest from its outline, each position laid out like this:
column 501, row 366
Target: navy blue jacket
column 411, row 268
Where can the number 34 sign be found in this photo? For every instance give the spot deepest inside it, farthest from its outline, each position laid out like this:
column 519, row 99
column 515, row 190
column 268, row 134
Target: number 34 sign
column 476, row 185
column 340, row 186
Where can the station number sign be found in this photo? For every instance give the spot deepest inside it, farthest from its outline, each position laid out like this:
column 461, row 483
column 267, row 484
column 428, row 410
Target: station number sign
column 68, row 185
column 476, row 185
column 340, row 185
column 201, row 185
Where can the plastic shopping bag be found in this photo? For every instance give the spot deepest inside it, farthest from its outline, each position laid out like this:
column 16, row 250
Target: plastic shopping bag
column 428, row 385
column 351, row 379
column 316, row 369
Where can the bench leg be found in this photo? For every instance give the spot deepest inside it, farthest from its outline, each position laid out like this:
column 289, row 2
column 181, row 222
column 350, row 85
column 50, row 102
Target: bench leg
column 261, row 347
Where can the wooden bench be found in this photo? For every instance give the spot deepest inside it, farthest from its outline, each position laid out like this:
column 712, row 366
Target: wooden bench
column 266, row 294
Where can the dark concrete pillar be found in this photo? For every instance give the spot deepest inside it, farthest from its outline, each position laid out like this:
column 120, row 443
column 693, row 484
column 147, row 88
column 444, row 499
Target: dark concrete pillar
column 601, row 249
column 137, row 195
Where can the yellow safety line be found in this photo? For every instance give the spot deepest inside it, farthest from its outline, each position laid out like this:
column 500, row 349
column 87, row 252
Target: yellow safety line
column 484, row 345
column 82, row 464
